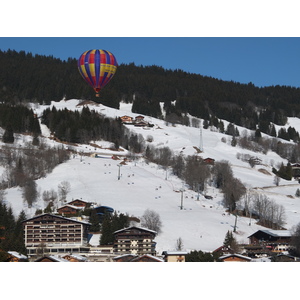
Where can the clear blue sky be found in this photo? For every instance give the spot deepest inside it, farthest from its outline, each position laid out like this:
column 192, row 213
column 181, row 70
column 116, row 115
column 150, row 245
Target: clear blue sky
column 262, row 61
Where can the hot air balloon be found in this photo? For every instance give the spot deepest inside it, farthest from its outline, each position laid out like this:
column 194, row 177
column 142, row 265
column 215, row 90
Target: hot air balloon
column 97, row 67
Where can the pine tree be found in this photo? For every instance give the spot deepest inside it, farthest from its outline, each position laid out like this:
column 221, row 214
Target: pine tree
column 106, row 231
column 94, row 220
column 8, row 136
column 230, row 241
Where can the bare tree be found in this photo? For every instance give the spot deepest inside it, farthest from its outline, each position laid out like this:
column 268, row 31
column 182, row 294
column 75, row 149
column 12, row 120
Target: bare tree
column 196, row 173
column 270, row 213
column 179, row 244
column 233, row 190
column 151, row 220
column 221, row 171
column 63, row 189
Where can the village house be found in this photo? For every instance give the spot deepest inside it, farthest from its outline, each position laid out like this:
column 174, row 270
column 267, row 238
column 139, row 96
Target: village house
column 270, row 237
column 174, row 256
column 16, row 257
column 79, row 203
column 68, row 210
column 296, row 171
column 137, row 258
column 124, row 258
column 134, row 240
column 51, row 258
column 75, row 258
column 234, row 258
column 282, row 257
column 222, row 250
column 139, row 119
column 209, row 161
column 126, row 119
column 53, row 234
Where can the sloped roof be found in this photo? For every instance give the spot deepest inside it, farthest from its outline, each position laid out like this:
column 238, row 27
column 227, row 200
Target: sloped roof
column 174, row 253
column 53, row 258
column 151, row 257
column 17, row 254
column 135, row 227
column 76, row 256
column 80, row 200
column 71, row 206
column 234, row 255
column 56, row 216
column 274, row 233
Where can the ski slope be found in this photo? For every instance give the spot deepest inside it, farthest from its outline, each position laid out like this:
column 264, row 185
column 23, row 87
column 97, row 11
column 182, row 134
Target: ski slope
column 201, row 224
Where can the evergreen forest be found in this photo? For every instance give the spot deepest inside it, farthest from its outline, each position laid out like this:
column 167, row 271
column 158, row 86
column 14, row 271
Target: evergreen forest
column 11, row 232
column 25, row 77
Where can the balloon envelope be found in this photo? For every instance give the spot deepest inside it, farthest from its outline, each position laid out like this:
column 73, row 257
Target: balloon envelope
column 97, row 67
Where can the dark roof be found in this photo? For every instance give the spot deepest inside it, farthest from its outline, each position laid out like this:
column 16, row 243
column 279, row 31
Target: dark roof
column 52, row 258
column 135, row 227
column 79, row 201
column 56, row 216
column 274, row 233
column 71, row 206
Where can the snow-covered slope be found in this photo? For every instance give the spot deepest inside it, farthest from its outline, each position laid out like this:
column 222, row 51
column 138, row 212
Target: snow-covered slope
column 201, row 224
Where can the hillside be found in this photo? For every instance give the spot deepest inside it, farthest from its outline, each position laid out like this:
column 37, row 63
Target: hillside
column 202, row 224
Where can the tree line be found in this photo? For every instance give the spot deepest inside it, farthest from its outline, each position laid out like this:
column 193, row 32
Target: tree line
column 25, row 77
column 11, row 231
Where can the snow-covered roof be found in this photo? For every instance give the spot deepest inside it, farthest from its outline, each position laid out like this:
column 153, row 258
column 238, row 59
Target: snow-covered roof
column 77, row 256
column 54, row 258
column 236, row 255
column 17, row 255
column 278, row 233
column 71, row 206
column 275, row 233
column 150, row 256
column 57, row 216
column 175, row 253
column 132, row 227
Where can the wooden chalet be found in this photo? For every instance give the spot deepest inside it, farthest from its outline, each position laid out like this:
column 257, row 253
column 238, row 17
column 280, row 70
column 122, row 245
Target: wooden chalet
column 137, row 258
column 209, row 161
column 79, row 203
column 124, row 258
column 147, row 258
column 126, row 119
column 53, row 234
column 222, row 250
column 139, row 118
column 75, row 258
column 14, row 256
column 282, row 257
column 174, row 256
column 234, row 258
column 134, row 240
column 68, row 210
column 270, row 237
column 51, row 258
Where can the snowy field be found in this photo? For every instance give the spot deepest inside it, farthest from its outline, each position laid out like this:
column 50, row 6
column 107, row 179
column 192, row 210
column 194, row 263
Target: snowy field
column 201, row 224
